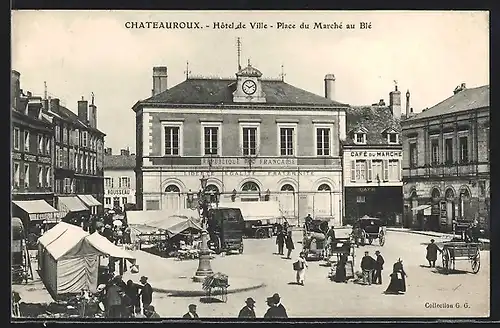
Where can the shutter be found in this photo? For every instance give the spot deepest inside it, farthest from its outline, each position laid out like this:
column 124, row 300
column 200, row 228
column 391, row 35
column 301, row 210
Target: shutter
column 369, row 170
column 385, row 164
column 353, row 171
column 398, row 167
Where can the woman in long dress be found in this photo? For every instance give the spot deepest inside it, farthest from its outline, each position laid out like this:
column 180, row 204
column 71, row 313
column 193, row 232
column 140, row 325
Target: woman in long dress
column 301, row 273
column 340, row 272
column 398, row 279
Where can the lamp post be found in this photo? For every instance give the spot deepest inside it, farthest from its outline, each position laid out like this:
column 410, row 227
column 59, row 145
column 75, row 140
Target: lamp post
column 204, row 268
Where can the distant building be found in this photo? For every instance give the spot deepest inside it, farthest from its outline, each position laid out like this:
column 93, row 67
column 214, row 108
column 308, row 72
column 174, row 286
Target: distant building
column 119, row 179
column 446, row 168
column 254, row 138
column 32, row 148
column 372, row 157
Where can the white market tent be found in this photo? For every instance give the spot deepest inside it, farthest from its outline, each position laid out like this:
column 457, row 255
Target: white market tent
column 173, row 222
column 268, row 212
column 68, row 258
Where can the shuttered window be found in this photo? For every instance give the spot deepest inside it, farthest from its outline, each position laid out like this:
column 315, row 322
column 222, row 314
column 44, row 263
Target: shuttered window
column 369, row 170
column 353, row 171
column 385, row 165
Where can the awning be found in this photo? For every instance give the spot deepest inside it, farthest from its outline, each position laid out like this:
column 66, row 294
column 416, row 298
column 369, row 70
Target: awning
column 71, row 204
column 108, row 248
column 421, row 207
column 89, row 200
column 38, row 210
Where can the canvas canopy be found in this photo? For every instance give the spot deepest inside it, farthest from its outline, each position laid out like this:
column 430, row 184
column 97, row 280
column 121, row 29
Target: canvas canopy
column 420, row 207
column 269, row 210
column 71, row 204
column 173, row 223
column 89, row 200
column 106, row 247
column 37, row 210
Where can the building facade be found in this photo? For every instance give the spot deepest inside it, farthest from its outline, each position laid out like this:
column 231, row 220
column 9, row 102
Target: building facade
column 446, row 161
column 31, row 146
column 78, row 154
column 119, row 179
column 254, row 138
column 372, row 159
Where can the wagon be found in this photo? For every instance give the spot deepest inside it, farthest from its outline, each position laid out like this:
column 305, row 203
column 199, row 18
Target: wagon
column 339, row 247
column 366, row 229
column 461, row 251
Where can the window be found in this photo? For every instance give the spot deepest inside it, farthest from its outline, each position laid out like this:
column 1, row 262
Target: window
column 394, row 173
column 323, row 141
column 65, row 135
column 360, row 199
column 434, row 151
column 48, row 180
column 26, row 141
column 124, row 182
column 413, row 155
column 377, row 171
column 67, row 185
column 58, row 133
column 360, row 138
column 59, row 157
column 16, row 172
column 47, row 145
column 463, row 145
column 85, row 138
column 287, row 139
column 448, row 148
column 26, row 175
column 250, row 186
column 250, row 139
column 172, row 188
column 40, row 176
column 40, row 144
column 287, row 187
column 360, row 170
column 392, row 138
column 107, row 200
column 211, row 139
column 82, row 163
column 16, row 138
column 108, row 182
column 324, row 187
column 172, row 139
column 124, row 200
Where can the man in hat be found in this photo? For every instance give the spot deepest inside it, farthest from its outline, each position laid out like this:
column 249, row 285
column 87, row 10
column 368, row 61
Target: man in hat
column 150, row 312
column 248, row 310
column 379, row 266
column 276, row 309
column 432, row 250
column 191, row 314
column 367, row 266
column 146, row 292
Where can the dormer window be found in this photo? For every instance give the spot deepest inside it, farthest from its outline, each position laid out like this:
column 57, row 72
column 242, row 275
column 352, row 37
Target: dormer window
column 360, row 138
column 392, row 138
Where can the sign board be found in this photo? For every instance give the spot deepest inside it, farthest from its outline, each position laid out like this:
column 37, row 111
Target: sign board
column 247, row 173
column 117, row 191
column 376, row 154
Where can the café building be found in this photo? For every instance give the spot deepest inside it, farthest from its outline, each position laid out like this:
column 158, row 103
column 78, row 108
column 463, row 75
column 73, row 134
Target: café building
column 119, row 179
column 255, row 139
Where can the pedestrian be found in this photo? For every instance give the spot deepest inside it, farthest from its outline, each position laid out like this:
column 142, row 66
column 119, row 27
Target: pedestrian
column 301, row 266
column 248, row 310
column 146, row 292
column 132, row 291
column 431, row 256
column 379, row 266
column 276, row 309
column 398, row 279
column 191, row 314
column 289, row 244
column 367, row 266
column 150, row 312
column 113, row 300
column 340, row 271
column 280, row 241
column 307, row 222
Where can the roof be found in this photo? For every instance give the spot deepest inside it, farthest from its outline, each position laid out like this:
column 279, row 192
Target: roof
column 119, row 162
column 375, row 120
column 467, row 99
column 220, row 91
column 68, row 114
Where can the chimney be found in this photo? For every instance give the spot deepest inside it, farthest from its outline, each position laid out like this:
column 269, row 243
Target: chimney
column 395, row 102
column 159, row 79
column 92, row 113
column 407, row 103
column 124, row 152
column 15, row 88
column 83, row 110
column 54, row 104
column 330, row 86
column 108, row 151
column 459, row 88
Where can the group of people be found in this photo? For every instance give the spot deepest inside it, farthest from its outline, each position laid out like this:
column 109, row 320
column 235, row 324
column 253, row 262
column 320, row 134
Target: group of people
column 372, row 268
column 275, row 308
column 284, row 239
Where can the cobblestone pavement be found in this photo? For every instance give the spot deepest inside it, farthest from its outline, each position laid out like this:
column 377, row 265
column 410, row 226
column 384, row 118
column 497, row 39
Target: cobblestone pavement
column 426, row 288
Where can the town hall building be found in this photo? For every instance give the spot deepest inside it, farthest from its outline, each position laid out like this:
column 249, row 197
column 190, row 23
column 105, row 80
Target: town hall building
column 255, row 139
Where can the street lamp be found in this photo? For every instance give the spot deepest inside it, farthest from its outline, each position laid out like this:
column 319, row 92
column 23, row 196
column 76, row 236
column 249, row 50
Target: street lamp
column 204, row 267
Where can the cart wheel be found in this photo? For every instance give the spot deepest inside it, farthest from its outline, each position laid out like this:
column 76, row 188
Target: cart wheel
column 381, row 240
column 260, row 233
column 446, row 259
column 476, row 262
column 217, row 245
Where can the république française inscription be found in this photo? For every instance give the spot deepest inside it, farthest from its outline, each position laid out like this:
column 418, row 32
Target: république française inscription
column 261, row 162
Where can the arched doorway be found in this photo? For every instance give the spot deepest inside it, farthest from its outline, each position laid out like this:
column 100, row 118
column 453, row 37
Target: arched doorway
column 213, row 193
column 172, row 198
column 449, row 196
column 322, row 201
column 250, row 192
column 433, row 222
column 287, row 200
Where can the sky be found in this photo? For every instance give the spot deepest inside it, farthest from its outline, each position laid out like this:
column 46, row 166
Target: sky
column 80, row 52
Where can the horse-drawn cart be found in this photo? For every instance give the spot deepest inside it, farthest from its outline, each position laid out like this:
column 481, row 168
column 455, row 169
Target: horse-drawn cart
column 461, row 251
column 366, row 229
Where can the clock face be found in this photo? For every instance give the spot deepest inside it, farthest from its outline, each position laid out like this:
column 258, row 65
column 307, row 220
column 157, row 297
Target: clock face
column 249, row 87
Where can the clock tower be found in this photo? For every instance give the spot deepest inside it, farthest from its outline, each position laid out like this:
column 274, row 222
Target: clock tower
column 249, row 86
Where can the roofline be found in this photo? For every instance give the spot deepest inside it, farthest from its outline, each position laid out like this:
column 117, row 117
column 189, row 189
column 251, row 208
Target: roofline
column 138, row 105
column 446, row 115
